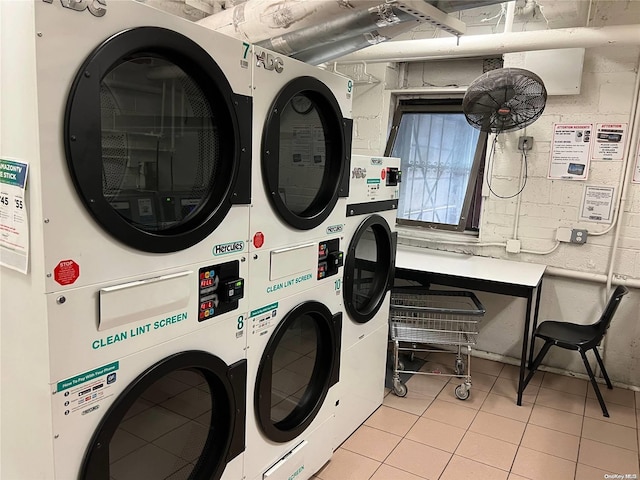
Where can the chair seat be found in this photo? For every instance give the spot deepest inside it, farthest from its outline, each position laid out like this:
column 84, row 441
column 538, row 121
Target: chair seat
column 567, row 335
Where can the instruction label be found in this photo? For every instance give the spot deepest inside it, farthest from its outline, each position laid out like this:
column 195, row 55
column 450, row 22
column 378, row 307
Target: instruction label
column 570, row 151
column 83, row 393
column 262, row 318
column 610, row 141
column 597, row 204
column 14, row 224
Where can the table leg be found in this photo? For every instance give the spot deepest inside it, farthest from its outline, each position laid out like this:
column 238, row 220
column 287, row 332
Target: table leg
column 535, row 321
column 525, row 345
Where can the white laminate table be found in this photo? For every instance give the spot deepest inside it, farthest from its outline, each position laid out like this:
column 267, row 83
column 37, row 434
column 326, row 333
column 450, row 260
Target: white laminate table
column 506, row 277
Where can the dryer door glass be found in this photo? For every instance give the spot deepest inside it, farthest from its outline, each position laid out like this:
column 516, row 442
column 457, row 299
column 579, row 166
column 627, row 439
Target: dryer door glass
column 368, row 268
column 157, row 143
column 165, row 430
column 180, row 419
column 292, row 369
column 160, row 143
column 306, row 147
column 298, row 366
column 302, row 154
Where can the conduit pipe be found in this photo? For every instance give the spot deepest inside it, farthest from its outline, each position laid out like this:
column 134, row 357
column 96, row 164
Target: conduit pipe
column 481, row 45
column 591, row 277
column 634, row 125
column 511, row 13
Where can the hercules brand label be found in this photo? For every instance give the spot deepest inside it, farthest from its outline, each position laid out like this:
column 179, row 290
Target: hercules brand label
column 225, row 248
column 376, row 161
column 331, row 229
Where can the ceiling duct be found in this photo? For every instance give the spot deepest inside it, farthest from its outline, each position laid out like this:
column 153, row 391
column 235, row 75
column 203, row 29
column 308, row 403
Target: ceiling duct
column 317, row 31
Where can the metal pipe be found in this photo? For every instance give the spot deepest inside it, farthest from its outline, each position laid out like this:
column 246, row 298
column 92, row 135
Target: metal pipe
column 325, row 53
column 258, row 20
column 511, row 13
column 333, row 30
column 480, row 45
column 591, row 277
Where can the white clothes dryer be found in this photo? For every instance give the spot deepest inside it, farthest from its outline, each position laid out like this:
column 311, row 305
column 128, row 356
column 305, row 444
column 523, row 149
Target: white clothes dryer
column 293, row 361
column 368, row 277
column 155, row 394
column 302, row 145
column 144, row 141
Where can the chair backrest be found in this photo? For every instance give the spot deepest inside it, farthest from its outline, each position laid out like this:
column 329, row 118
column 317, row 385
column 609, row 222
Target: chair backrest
column 603, row 323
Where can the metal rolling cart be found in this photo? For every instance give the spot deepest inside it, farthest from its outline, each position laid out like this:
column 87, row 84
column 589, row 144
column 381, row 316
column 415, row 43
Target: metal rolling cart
column 433, row 317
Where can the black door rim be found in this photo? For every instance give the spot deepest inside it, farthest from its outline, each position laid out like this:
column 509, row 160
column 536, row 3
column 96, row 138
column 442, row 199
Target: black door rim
column 338, row 147
column 383, row 269
column 82, row 135
column 219, row 447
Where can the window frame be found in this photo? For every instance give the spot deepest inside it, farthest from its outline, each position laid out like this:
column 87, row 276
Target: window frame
column 473, row 194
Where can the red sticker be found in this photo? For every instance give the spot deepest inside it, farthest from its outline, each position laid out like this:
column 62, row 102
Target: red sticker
column 66, row 272
column 258, row 240
column 383, row 173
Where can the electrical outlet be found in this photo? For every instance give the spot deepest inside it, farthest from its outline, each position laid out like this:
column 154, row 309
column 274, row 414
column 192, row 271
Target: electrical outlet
column 579, row 236
column 525, row 143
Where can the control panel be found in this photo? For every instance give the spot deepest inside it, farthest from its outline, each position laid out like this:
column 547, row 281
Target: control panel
column 374, row 179
column 330, row 258
column 219, row 289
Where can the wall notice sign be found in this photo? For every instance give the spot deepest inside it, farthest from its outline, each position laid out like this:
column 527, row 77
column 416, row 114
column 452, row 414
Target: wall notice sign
column 570, row 151
column 597, row 204
column 14, row 225
column 610, row 140
column 636, row 170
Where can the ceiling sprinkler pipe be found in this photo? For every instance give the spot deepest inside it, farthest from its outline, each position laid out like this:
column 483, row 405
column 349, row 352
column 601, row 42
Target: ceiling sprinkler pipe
column 332, row 31
column 481, row 45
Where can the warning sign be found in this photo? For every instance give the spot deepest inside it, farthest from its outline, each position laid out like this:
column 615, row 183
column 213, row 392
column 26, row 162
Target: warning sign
column 66, row 272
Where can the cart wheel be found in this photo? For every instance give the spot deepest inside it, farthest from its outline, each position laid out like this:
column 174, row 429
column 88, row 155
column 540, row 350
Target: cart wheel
column 462, row 392
column 459, row 367
column 400, row 389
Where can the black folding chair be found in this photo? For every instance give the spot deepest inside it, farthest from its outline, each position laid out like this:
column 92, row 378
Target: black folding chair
column 582, row 338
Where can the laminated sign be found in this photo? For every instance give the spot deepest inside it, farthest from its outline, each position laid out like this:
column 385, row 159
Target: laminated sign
column 14, row 224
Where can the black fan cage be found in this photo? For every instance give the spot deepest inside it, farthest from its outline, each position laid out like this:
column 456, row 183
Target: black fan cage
column 504, row 100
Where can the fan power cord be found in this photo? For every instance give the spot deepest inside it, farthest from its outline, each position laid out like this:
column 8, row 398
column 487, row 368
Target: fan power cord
column 492, row 162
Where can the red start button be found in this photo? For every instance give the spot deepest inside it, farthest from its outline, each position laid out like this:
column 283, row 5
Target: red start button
column 258, row 239
column 66, row 272
column 383, row 173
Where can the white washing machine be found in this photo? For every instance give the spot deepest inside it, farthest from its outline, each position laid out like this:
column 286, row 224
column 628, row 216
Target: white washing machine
column 300, row 175
column 293, row 365
column 368, row 276
column 144, row 140
column 161, row 395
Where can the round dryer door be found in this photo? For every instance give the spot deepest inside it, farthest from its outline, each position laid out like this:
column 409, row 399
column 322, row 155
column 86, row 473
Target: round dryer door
column 182, row 418
column 369, row 268
column 154, row 140
column 299, row 365
column 305, row 153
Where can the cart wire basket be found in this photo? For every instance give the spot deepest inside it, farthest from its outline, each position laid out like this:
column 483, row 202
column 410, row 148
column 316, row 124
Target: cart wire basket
column 420, row 317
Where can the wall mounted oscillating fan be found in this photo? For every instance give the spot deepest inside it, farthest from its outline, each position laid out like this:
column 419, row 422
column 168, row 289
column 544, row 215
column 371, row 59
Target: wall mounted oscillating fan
column 504, row 100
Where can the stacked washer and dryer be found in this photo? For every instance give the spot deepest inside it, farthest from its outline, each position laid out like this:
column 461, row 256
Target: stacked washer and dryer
column 368, row 277
column 302, row 145
column 148, row 210
column 128, row 359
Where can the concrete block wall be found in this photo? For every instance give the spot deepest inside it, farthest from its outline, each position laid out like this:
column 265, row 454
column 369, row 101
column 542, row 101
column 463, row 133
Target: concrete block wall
column 606, row 94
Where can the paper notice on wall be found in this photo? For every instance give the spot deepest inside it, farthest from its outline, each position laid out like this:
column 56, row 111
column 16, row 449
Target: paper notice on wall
column 610, row 141
column 597, row 204
column 636, row 170
column 570, row 151
column 14, row 224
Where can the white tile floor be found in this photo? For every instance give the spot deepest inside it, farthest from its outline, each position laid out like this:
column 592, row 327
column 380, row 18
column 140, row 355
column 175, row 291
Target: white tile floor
column 558, row 433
